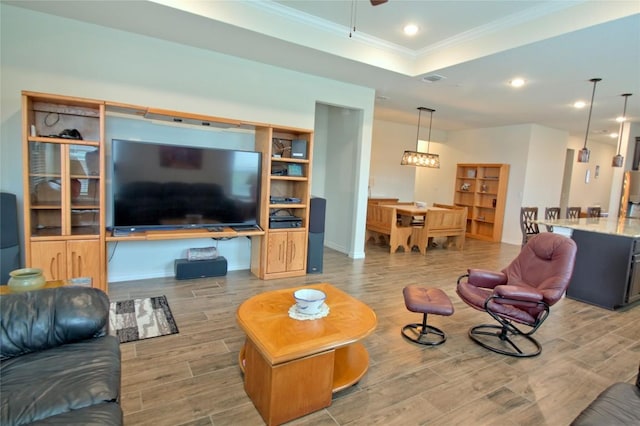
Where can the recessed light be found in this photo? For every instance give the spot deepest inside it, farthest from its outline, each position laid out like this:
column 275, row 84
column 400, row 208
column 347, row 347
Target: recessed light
column 517, row 82
column 579, row 104
column 621, row 119
column 613, row 135
column 410, row 29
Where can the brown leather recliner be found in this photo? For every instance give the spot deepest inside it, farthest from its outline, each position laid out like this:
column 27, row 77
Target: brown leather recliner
column 521, row 293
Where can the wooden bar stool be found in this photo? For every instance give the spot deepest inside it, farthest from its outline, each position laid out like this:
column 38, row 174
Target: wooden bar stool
column 425, row 301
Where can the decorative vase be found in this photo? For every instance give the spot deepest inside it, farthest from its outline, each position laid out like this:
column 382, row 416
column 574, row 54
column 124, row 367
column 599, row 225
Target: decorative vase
column 26, row 279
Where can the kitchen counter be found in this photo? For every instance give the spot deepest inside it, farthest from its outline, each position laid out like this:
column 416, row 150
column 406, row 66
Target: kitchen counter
column 624, row 227
column 607, row 268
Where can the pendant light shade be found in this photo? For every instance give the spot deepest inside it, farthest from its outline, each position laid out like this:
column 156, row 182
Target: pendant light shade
column 417, row 158
column 583, row 154
column 618, row 160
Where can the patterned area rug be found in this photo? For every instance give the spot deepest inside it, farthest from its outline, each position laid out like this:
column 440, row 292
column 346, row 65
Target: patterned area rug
column 138, row 319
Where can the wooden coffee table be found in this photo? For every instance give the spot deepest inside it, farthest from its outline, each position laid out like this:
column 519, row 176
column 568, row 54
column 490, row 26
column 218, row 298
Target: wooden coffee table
column 292, row 367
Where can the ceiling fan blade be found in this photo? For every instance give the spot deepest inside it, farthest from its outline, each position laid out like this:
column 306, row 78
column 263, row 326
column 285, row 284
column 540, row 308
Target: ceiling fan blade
column 377, row 2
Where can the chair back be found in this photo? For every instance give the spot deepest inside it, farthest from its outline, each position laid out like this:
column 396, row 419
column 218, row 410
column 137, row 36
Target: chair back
column 546, row 262
column 527, row 226
column 573, row 212
column 551, row 213
column 593, row 211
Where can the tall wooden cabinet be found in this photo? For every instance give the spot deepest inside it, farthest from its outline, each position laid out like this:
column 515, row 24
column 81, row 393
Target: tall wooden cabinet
column 286, row 183
column 482, row 188
column 64, row 219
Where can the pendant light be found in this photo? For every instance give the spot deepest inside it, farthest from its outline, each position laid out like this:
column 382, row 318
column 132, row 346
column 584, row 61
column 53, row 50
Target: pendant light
column 583, row 154
column 417, row 158
column 618, row 159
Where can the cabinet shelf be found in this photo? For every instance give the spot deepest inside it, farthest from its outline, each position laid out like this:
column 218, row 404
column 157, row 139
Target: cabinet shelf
column 47, row 139
column 287, row 206
column 485, row 198
column 81, row 232
column 290, row 178
column 484, row 220
column 289, row 160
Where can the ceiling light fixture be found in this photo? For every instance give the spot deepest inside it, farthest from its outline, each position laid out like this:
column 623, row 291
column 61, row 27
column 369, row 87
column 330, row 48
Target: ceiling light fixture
column 517, row 82
column 618, row 159
column 579, row 104
column 417, row 158
column 410, row 29
column 583, row 154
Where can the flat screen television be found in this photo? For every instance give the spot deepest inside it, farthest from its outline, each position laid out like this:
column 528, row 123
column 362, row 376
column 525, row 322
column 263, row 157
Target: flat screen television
column 173, row 186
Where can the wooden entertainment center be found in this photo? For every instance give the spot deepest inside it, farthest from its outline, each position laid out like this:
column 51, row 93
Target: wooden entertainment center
column 65, row 188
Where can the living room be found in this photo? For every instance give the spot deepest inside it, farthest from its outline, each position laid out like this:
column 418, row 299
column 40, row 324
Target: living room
column 341, row 115
column 51, row 54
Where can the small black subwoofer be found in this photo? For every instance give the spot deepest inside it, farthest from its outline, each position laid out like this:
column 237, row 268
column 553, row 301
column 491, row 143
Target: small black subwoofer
column 188, row 270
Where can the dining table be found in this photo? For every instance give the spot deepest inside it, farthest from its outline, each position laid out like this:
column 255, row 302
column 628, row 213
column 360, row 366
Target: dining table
column 410, row 214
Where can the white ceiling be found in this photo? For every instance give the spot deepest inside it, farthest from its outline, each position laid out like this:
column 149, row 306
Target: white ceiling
column 478, row 46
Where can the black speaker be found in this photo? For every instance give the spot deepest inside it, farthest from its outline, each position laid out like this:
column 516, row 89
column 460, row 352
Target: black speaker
column 317, row 212
column 298, row 148
column 187, row 270
column 9, row 239
column 315, row 250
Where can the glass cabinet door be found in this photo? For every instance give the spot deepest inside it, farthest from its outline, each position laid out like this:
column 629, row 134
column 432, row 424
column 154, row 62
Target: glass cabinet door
column 84, row 184
column 64, row 186
column 45, row 188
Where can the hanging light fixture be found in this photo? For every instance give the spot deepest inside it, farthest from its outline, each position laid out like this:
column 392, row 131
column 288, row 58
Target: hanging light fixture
column 417, row 158
column 618, row 159
column 583, row 154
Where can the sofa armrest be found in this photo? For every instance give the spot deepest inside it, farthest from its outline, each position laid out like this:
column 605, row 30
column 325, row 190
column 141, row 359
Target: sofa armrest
column 43, row 319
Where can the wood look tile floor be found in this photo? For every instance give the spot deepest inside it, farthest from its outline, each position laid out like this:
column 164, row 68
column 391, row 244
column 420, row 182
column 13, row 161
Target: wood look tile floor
column 193, row 378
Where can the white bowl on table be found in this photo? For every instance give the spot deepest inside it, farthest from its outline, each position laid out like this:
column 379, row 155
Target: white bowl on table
column 309, row 301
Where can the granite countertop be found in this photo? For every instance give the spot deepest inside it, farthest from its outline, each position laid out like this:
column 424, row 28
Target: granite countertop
column 625, row 227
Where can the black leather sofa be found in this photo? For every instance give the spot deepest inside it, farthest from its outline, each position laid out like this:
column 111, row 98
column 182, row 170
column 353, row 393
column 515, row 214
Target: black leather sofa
column 58, row 365
column 618, row 405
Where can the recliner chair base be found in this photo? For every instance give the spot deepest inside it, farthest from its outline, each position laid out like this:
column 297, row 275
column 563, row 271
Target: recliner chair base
column 506, row 339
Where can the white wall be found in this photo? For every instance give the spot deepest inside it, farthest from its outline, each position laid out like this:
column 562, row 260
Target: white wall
column 388, row 178
column 54, row 55
column 597, row 191
column 545, row 168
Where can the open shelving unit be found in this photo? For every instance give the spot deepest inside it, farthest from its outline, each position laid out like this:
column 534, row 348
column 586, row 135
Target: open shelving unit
column 482, row 189
column 286, row 187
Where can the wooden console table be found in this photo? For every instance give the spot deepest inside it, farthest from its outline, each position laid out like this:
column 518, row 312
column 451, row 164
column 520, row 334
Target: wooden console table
column 292, row 367
column 182, row 234
column 5, row 289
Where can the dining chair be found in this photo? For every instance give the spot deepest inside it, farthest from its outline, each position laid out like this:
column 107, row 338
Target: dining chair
column 527, row 225
column 573, row 212
column 551, row 213
column 594, row 211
